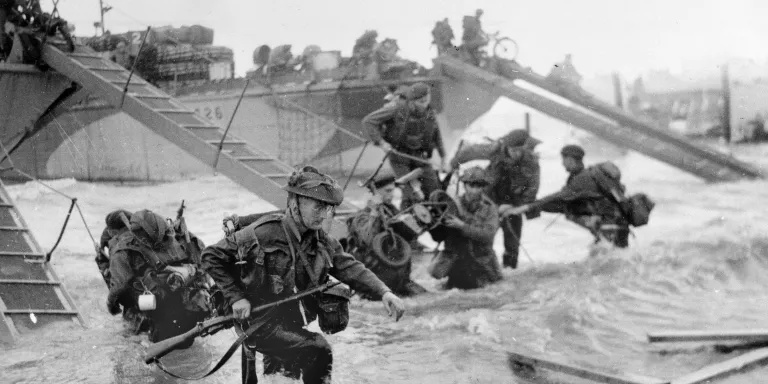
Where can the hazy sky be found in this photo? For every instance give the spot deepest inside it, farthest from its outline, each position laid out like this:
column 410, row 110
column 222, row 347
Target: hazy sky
column 603, row 35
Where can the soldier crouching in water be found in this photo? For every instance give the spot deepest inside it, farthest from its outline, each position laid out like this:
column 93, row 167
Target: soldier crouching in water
column 469, row 240
column 514, row 176
column 585, row 200
column 281, row 254
column 369, row 227
column 149, row 260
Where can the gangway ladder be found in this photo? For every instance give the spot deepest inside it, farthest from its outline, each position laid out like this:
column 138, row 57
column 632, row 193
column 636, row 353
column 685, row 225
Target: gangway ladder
column 602, row 120
column 31, row 294
column 257, row 171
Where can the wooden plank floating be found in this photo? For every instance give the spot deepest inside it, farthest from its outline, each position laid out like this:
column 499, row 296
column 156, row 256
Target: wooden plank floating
column 572, row 370
column 713, row 335
column 726, row 368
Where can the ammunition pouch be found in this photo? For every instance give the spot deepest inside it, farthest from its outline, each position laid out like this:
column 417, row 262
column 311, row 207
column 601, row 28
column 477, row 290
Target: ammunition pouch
column 333, row 309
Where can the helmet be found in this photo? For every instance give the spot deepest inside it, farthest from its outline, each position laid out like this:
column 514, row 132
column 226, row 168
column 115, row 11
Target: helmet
column 474, row 175
column 151, row 223
column 417, row 91
column 114, row 221
column 309, row 182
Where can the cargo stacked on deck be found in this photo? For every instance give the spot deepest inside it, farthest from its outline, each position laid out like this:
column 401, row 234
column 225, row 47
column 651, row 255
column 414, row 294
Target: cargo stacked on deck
column 171, row 55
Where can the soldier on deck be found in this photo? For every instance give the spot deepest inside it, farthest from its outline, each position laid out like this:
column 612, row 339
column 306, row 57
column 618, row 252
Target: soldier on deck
column 473, row 39
column 442, row 37
column 409, row 128
column 514, row 176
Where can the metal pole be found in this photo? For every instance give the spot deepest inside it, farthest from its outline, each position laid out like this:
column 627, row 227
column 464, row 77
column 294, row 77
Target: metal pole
column 352, row 173
column 618, row 98
column 231, row 119
column 101, row 11
column 133, row 67
column 528, row 122
column 726, row 115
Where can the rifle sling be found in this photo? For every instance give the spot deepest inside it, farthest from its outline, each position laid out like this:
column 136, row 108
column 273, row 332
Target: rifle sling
column 238, row 342
column 231, row 351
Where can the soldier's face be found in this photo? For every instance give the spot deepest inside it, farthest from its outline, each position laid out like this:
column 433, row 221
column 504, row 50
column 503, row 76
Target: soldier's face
column 387, row 193
column 473, row 190
column 570, row 164
column 422, row 103
column 313, row 212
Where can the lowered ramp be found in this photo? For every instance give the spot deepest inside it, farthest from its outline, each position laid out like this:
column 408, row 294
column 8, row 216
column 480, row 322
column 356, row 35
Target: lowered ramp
column 31, row 294
column 255, row 170
column 599, row 118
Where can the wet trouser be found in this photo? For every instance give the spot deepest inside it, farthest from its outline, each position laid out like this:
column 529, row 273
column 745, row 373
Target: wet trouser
column 296, row 347
column 429, row 180
column 618, row 237
column 512, row 228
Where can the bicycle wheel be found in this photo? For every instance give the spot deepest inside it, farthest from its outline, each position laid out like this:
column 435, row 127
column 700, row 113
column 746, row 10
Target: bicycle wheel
column 505, row 48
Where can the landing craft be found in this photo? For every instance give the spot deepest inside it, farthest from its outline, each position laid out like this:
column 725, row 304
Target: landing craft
column 56, row 77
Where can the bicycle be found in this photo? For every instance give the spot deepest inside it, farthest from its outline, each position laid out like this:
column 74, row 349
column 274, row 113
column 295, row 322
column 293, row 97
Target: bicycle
column 503, row 48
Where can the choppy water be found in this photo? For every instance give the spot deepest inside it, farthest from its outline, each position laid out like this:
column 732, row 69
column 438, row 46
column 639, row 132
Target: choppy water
column 700, row 264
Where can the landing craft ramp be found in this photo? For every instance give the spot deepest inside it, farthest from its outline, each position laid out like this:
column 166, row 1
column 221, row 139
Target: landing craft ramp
column 255, row 170
column 599, row 118
column 31, row 294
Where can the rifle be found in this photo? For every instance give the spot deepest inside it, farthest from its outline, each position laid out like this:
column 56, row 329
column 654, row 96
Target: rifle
column 447, row 180
column 182, row 224
column 211, row 326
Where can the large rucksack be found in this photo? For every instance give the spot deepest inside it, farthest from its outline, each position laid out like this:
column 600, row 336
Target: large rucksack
column 636, row 208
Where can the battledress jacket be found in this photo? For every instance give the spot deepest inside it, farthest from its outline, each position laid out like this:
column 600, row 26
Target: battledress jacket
column 407, row 133
column 583, row 195
column 472, row 245
column 512, row 181
column 270, row 273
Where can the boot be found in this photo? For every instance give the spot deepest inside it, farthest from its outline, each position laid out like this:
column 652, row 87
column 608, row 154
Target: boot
column 510, row 260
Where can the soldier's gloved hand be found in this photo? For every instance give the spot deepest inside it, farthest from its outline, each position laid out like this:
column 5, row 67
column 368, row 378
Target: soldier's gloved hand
column 113, row 307
column 386, row 147
column 241, row 309
column 394, row 305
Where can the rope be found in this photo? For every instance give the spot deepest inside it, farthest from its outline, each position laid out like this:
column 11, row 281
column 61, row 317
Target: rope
column 72, row 199
column 61, row 233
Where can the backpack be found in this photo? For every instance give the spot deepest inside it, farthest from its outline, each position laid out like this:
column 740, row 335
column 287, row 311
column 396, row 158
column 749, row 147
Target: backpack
column 635, row 208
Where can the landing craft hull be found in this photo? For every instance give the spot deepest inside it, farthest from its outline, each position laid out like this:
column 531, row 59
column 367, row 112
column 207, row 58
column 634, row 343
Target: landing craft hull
column 297, row 123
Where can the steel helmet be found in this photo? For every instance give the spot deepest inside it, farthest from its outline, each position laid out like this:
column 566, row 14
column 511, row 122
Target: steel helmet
column 151, row 223
column 309, row 182
column 474, row 175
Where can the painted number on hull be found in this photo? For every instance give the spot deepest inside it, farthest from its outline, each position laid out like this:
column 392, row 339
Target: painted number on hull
column 210, row 113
